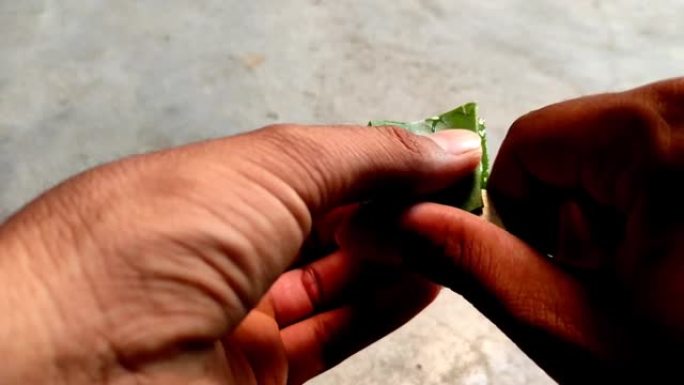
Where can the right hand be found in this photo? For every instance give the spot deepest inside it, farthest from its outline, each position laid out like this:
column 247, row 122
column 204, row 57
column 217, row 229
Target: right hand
column 597, row 183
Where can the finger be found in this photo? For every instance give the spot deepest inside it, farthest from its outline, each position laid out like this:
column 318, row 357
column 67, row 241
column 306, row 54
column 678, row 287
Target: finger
column 464, row 253
column 548, row 312
column 299, row 293
column 460, row 250
column 257, row 341
column 321, row 241
column 324, row 340
column 329, row 166
column 372, row 231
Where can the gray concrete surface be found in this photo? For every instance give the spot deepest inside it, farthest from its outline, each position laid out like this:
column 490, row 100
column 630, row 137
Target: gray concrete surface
column 83, row 82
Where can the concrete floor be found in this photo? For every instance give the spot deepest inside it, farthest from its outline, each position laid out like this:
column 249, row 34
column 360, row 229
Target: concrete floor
column 83, row 82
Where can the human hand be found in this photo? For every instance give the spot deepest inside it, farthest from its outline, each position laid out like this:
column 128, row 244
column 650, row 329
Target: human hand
column 596, row 183
column 186, row 266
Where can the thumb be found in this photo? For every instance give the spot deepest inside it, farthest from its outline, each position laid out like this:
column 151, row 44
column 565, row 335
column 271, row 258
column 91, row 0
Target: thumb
column 330, row 165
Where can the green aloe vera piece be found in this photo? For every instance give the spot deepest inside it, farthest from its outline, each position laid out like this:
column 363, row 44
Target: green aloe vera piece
column 463, row 117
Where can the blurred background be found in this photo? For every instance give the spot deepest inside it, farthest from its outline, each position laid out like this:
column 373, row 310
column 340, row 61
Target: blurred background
column 84, row 82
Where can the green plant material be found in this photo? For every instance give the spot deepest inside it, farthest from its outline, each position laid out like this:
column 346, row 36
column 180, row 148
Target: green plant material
column 464, row 117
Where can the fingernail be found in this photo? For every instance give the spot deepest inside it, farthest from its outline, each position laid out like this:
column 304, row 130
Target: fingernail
column 457, row 141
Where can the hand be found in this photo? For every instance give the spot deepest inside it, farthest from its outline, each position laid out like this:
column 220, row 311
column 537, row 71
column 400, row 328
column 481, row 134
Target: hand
column 184, row 266
column 595, row 183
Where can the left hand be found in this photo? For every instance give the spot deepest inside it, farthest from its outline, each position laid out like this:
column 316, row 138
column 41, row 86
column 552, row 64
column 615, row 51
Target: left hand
column 175, row 267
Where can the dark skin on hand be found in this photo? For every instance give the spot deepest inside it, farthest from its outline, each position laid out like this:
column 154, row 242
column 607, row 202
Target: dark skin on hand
column 589, row 278
column 215, row 262
column 258, row 259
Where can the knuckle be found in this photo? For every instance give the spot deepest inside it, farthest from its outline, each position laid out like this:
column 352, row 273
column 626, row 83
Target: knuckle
column 655, row 112
column 298, row 158
column 536, row 118
column 525, row 130
column 666, row 99
column 646, row 131
column 293, row 141
column 521, row 123
column 406, row 140
column 280, row 130
column 283, row 136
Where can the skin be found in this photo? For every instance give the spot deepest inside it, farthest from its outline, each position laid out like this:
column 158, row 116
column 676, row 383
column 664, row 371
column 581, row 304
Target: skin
column 206, row 264
column 212, row 263
column 596, row 183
